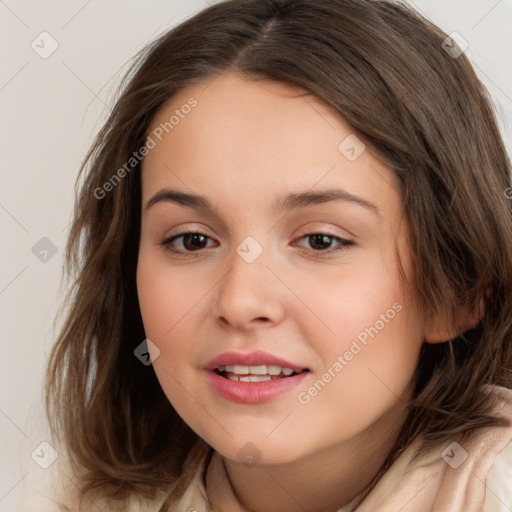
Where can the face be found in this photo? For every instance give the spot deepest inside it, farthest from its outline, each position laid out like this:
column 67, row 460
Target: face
column 290, row 262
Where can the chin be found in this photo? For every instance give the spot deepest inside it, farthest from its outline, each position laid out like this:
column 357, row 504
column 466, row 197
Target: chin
column 258, row 451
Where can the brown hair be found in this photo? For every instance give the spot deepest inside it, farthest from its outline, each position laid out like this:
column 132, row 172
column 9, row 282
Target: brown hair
column 382, row 67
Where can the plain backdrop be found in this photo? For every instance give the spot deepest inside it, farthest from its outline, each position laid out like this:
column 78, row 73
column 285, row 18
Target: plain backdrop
column 51, row 109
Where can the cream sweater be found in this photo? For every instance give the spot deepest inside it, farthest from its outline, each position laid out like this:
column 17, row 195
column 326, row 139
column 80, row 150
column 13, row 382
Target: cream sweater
column 451, row 478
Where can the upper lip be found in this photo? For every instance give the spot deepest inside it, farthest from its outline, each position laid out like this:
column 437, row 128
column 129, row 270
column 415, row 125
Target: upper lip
column 257, row 358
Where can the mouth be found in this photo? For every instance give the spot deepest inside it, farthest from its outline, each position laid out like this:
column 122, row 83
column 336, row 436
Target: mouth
column 260, row 373
column 253, row 377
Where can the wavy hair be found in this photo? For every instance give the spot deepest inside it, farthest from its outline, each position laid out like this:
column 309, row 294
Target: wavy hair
column 425, row 113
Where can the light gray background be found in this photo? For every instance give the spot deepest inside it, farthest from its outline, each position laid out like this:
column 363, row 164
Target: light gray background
column 50, row 110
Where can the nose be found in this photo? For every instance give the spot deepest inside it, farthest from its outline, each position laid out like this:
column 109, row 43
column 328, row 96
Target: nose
column 249, row 295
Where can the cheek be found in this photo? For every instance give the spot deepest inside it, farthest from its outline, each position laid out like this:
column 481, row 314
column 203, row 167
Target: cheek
column 166, row 297
column 167, row 314
column 154, row 299
column 172, row 305
column 349, row 300
column 360, row 382
column 370, row 352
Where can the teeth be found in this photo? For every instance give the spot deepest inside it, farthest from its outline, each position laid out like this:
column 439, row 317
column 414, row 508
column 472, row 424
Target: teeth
column 249, row 378
column 254, row 378
column 239, row 370
column 255, row 370
column 258, row 370
column 273, row 370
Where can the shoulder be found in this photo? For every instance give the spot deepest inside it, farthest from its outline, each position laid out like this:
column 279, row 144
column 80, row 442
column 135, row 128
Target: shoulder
column 46, row 490
column 55, row 489
column 474, row 476
column 498, row 496
column 499, row 483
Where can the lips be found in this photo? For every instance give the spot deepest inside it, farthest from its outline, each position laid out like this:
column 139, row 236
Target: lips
column 253, row 378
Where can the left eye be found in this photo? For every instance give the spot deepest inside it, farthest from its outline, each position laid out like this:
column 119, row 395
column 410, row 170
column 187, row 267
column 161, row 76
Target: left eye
column 322, row 241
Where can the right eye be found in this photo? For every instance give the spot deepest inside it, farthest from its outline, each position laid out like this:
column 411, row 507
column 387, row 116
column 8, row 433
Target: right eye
column 190, row 241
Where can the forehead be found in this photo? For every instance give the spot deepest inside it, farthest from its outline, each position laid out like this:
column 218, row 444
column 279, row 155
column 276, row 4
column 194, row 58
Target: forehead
column 260, row 136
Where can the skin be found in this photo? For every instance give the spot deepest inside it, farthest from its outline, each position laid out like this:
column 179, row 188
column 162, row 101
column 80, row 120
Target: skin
column 244, row 144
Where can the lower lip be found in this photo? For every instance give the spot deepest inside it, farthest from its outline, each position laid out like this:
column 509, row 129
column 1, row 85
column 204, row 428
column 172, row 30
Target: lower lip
column 254, row 392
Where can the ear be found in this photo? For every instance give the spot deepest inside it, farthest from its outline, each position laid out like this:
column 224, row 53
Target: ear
column 438, row 329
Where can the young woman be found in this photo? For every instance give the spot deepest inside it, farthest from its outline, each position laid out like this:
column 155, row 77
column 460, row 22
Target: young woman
column 299, row 213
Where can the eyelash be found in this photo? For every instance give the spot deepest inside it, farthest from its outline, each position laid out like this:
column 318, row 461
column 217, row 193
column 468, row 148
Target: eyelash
column 344, row 244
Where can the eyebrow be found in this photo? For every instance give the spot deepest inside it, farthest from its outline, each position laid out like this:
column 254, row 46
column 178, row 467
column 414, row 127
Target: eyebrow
column 288, row 202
